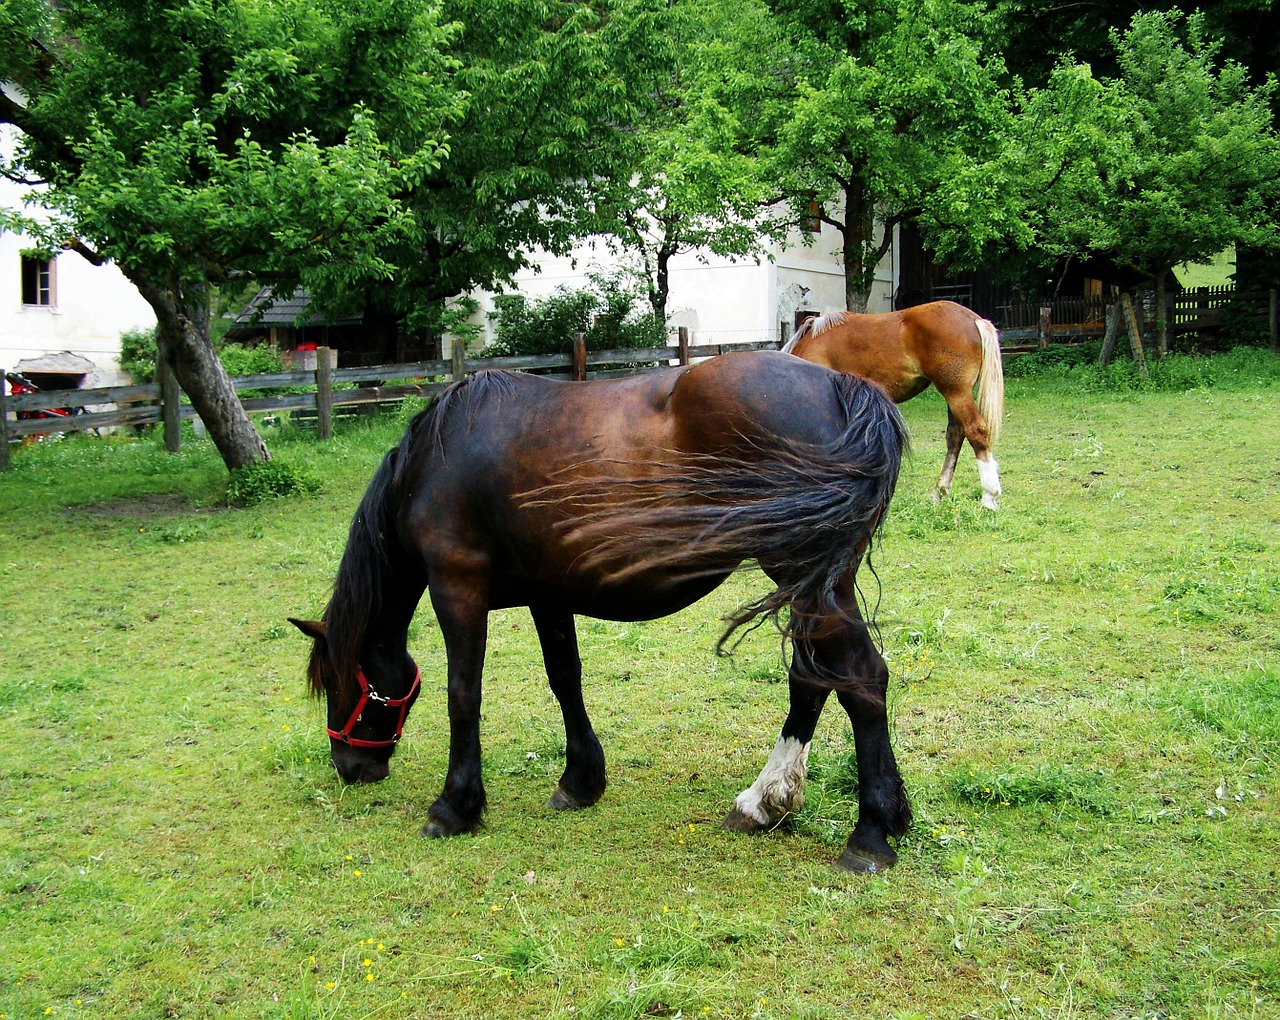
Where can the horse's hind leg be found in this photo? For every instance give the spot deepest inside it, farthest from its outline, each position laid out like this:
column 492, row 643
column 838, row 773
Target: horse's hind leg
column 955, row 439
column 779, row 790
column 461, row 607
column 583, row 781
column 963, row 409
column 883, row 808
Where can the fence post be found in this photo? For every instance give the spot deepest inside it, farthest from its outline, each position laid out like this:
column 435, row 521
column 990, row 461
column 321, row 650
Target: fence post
column 324, row 394
column 579, row 357
column 5, row 465
column 1275, row 319
column 1135, row 335
column 1046, row 317
column 682, row 341
column 170, row 405
column 458, row 354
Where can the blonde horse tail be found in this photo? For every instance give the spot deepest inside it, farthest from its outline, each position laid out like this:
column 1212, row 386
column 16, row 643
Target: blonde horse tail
column 990, row 379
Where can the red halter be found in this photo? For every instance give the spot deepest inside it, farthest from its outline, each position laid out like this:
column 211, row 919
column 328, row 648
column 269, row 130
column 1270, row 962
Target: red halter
column 368, row 694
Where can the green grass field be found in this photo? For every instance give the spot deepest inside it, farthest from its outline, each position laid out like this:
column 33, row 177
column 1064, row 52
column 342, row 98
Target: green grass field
column 1086, row 709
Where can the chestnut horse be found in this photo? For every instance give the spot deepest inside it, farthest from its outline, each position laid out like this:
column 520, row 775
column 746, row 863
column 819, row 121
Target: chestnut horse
column 623, row 499
column 941, row 343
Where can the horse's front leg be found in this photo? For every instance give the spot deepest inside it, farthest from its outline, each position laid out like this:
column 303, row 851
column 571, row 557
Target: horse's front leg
column 779, row 790
column 461, row 607
column 583, row 781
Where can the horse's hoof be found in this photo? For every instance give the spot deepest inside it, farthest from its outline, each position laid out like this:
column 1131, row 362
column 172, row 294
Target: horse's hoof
column 938, row 496
column 865, row 862
column 563, row 800
column 439, row 828
column 738, row 821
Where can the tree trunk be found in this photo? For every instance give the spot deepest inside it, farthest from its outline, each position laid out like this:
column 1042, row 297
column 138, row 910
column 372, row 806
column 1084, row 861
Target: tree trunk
column 182, row 340
column 857, row 238
column 1162, row 313
column 658, row 294
column 381, row 328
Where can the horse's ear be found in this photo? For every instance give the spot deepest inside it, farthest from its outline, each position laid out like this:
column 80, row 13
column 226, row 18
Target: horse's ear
column 311, row 628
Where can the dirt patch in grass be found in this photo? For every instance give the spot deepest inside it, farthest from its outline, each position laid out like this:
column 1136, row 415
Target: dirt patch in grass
column 160, row 504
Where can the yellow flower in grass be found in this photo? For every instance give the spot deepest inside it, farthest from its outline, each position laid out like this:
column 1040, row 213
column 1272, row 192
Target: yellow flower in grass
column 366, row 962
column 369, row 976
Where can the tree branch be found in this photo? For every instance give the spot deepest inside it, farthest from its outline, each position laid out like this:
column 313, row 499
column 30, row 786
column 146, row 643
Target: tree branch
column 80, row 248
column 20, row 179
column 15, row 113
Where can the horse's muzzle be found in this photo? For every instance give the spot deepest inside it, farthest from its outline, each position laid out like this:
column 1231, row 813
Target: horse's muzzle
column 357, row 769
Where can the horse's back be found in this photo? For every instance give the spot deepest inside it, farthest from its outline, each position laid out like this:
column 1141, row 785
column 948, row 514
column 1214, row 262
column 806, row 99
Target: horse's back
column 902, row 351
column 735, row 401
column 502, row 483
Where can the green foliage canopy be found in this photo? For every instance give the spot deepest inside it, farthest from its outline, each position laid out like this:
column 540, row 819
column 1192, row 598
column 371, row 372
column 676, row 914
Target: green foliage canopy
column 880, row 113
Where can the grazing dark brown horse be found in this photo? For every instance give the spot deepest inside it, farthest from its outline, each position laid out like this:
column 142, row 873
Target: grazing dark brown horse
column 628, row 500
column 941, row 343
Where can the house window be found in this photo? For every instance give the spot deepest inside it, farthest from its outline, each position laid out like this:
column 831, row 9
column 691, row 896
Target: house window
column 37, row 281
column 812, row 222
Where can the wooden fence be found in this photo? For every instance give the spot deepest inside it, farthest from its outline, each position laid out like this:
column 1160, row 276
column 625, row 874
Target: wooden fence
column 1024, row 326
column 325, row 388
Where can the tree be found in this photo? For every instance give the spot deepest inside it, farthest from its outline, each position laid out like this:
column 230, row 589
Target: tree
column 387, row 153
column 1038, row 37
column 196, row 141
column 878, row 113
column 692, row 186
column 1170, row 161
column 553, row 90
column 1200, row 169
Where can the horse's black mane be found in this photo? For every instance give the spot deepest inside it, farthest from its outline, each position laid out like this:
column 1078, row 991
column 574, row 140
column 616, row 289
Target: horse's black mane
column 372, row 542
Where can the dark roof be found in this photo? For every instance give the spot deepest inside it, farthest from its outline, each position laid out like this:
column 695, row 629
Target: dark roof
column 265, row 310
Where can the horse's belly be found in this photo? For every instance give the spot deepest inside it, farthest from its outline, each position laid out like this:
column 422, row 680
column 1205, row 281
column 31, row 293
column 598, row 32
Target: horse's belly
column 646, row 596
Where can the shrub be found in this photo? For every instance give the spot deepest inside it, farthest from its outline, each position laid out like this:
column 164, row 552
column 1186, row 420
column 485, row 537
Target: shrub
column 609, row 312
column 270, row 479
column 238, row 359
column 138, row 354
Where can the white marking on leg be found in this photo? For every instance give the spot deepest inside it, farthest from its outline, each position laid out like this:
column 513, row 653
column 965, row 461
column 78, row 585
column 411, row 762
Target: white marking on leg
column 989, row 475
column 779, row 791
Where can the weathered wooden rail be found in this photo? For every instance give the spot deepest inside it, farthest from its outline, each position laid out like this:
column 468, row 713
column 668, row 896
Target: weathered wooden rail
column 325, row 388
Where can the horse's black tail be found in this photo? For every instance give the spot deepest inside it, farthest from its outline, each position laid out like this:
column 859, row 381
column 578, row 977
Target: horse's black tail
column 806, row 513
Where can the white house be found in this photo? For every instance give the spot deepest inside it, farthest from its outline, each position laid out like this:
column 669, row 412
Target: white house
column 721, row 300
column 61, row 318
